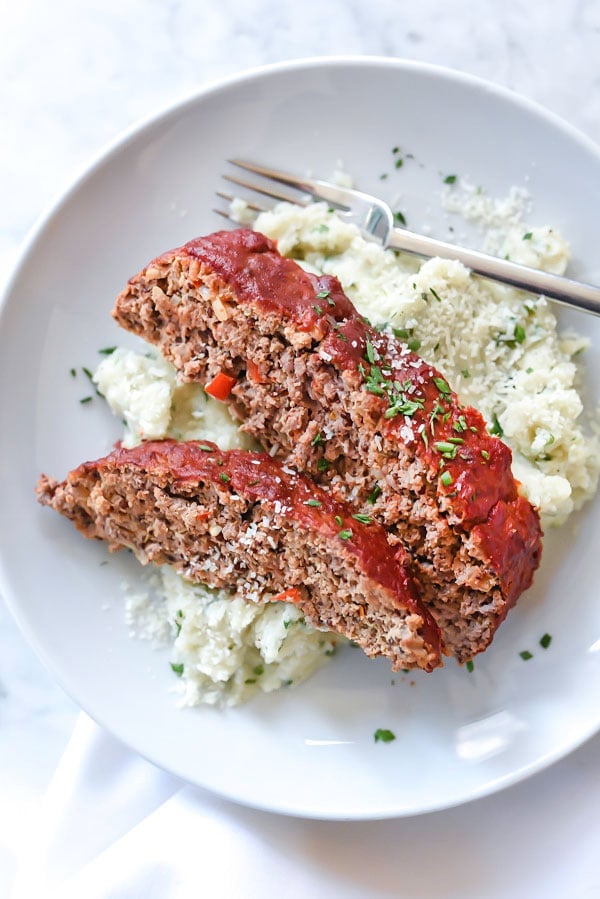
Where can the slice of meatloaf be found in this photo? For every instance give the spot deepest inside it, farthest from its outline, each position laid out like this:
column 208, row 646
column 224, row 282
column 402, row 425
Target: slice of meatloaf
column 245, row 521
column 318, row 386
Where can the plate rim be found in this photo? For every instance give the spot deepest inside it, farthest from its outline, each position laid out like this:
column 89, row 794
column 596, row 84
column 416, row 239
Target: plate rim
column 55, row 207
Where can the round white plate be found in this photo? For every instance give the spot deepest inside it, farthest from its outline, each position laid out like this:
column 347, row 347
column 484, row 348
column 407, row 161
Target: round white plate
column 308, row 751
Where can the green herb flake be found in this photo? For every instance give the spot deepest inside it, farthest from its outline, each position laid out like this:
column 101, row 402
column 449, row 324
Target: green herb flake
column 528, row 371
column 383, row 735
column 73, row 373
column 399, row 163
column 520, row 333
column 402, row 333
column 374, row 494
column 318, row 310
column 414, row 344
column 383, row 176
column 446, row 479
column 364, row 519
column 86, row 399
column 224, row 477
column 448, row 450
column 450, row 179
column 258, row 670
column 330, row 652
column 545, row 641
column 395, row 150
column 323, row 465
column 338, row 520
column 442, row 386
column 466, row 373
column 435, row 294
column 107, row 350
column 526, row 655
column 346, row 534
column 318, row 438
column 87, row 373
column 370, row 352
column 323, row 294
column 399, row 217
column 205, row 448
column 177, row 668
column 313, row 502
column 250, row 680
column 496, row 427
column 470, row 666
column 528, row 235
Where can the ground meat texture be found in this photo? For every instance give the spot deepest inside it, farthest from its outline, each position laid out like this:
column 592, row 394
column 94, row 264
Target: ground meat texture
column 244, row 521
column 353, row 407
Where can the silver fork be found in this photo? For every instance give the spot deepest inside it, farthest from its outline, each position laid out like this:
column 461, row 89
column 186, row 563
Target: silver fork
column 375, row 219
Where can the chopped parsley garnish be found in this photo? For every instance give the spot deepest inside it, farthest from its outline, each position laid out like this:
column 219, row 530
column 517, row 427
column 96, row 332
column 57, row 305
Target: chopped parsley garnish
column 205, row 448
column 470, row 666
column 254, row 483
column 258, row 670
column 318, row 310
column 87, row 373
column 485, row 455
column 318, row 438
column 346, row 534
column 528, row 371
column 442, row 386
column 496, row 427
column 528, row 235
column 313, row 502
column 370, row 352
column 250, row 680
column 520, row 333
column 414, row 344
column 460, row 424
column 448, row 450
column 446, row 479
column 450, row 179
column 323, row 465
column 338, row 520
column 436, row 294
column 179, row 620
column 399, row 163
column 374, row 494
column 383, row 176
column 224, row 477
column 402, row 333
column 383, row 735
column 177, row 668
column 107, row 350
column 73, row 373
column 399, row 217
column 526, row 655
column 545, row 641
column 86, row 399
column 364, row 519
column 466, row 373
column 323, row 294
column 395, row 150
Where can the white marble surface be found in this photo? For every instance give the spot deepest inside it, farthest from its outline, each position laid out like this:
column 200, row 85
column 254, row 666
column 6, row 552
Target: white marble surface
column 73, row 74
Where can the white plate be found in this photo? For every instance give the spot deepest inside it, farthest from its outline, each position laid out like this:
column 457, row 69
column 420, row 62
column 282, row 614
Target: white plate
column 309, row 751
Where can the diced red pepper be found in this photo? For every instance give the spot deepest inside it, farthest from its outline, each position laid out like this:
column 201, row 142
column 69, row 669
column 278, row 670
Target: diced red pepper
column 253, row 372
column 221, row 386
column 290, row 595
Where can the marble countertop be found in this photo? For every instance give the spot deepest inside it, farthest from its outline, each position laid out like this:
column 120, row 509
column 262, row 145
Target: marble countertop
column 73, row 75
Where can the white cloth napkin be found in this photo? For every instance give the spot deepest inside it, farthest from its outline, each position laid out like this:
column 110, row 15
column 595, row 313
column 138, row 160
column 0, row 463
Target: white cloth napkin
column 115, row 827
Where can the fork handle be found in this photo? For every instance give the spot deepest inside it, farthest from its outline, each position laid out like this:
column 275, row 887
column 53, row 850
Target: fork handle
column 563, row 290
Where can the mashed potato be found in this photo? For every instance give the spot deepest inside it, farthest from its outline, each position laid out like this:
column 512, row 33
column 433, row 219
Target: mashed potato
column 498, row 347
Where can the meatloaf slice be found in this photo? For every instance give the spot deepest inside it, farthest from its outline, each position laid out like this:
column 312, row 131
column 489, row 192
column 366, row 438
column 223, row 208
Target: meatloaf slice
column 244, row 521
column 318, row 386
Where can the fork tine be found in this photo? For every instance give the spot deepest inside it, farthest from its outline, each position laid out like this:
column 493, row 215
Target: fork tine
column 270, row 191
column 255, row 207
column 274, row 174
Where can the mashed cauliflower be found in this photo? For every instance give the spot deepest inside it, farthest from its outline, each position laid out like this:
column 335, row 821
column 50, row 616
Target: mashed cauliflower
column 224, row 650
column 498, row 347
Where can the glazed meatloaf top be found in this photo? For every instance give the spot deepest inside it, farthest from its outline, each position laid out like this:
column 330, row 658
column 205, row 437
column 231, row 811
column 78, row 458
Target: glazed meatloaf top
column 352, row 405
column 245, row 521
